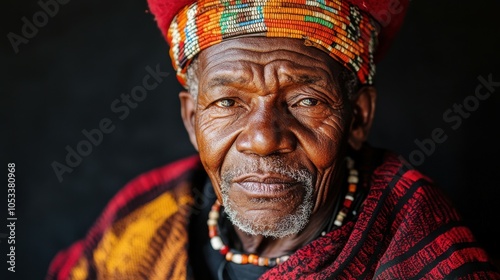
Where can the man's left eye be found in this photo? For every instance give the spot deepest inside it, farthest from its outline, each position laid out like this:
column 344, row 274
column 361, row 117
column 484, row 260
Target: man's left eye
column 225, row 103
column 308, row 102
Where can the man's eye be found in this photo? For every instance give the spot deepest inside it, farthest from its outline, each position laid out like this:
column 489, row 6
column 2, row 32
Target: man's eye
column 225, row 103
column 308, row 102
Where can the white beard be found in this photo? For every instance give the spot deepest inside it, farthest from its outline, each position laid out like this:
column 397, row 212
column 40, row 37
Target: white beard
column 288, row 225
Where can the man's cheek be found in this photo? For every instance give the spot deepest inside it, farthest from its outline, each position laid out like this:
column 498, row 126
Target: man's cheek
column 216, row 138
column 323, row 152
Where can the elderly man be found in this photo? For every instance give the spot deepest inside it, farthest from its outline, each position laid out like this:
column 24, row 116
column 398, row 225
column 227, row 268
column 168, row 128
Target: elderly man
column 279, row 103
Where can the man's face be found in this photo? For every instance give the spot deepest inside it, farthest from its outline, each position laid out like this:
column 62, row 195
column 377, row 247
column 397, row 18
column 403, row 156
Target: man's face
column 270, row 125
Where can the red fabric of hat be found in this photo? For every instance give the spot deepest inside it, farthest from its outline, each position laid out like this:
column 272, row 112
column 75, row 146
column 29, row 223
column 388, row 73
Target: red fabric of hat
column 388, row 13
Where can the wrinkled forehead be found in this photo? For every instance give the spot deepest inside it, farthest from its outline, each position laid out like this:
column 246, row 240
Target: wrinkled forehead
column 289, row 56
column 263, row 48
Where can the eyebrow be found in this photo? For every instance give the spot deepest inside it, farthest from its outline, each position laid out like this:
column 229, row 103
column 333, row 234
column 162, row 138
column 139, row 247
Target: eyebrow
column 225, row 80
column 308, row 79
column 304, row 79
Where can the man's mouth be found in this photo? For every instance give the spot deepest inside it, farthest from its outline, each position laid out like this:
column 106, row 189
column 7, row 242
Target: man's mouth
column 266, row 186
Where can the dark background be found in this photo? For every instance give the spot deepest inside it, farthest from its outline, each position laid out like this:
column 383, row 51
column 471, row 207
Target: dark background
column 90, row 52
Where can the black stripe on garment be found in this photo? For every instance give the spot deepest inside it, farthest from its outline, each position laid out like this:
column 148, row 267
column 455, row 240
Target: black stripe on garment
column 402, row 170
column 417, row 247
column 397, row 209
column 446, row 255
column 475, row 267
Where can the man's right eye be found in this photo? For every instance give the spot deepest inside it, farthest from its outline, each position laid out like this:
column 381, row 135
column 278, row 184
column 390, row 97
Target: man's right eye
column 225, row 103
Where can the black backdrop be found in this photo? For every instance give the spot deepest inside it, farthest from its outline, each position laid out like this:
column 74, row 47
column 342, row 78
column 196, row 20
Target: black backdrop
column 66, row 76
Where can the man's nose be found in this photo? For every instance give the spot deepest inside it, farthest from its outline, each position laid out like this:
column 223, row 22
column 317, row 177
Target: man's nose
column 267, row 132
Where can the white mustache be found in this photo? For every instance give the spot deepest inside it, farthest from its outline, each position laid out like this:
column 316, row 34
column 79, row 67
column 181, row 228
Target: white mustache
column 269, row 165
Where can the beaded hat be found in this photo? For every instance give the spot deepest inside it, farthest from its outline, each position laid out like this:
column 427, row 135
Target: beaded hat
column 355, row 33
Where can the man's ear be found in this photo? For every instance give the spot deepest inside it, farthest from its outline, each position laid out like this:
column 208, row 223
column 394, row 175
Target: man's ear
column 188, row 112
column 363, row 106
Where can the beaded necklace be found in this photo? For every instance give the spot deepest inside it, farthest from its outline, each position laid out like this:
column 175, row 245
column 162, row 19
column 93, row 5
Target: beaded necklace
column 238, row 258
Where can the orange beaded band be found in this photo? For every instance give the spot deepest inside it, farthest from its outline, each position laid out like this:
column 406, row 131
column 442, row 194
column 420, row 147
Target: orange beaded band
column 342, row 30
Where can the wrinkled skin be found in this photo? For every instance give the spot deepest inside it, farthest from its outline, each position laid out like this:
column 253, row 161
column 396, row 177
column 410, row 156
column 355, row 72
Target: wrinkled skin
column 265, row 105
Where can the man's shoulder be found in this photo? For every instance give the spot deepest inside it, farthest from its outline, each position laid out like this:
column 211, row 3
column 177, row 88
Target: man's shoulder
column 393, row 182
column 171, row 178
column 130, row 217
column 168, row 174
column 399, row 191
column 387, row 167
column 153, row 183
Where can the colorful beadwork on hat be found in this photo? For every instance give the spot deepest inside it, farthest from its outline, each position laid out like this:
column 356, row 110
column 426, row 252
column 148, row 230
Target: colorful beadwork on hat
column 342, row 30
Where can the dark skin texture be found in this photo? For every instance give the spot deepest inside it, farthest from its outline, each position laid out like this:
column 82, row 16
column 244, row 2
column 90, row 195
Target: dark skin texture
column 262, row 98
